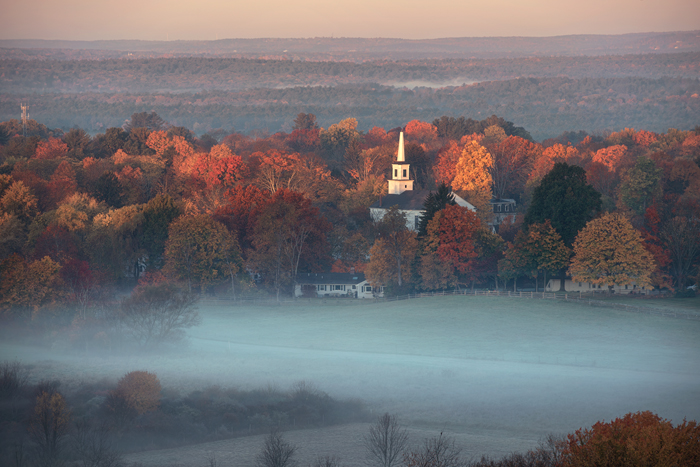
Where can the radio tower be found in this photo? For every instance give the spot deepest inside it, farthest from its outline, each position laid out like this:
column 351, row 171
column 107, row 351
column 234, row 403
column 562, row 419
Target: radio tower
column 25, row 115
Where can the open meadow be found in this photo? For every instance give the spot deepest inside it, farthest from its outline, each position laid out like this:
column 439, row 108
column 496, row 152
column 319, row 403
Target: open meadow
column 498, row 374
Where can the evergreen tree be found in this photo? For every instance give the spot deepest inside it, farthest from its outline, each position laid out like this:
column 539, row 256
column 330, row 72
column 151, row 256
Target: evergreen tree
column 435, row 202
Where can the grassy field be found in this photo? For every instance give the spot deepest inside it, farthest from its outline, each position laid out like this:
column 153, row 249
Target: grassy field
column 498, row 373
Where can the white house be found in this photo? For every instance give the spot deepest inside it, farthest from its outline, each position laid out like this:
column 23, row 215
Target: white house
column 401, row 193
column 335, row 284
column 571, row 286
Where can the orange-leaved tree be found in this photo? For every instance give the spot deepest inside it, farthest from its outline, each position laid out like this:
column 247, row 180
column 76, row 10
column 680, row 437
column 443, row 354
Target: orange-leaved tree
column 138, row 391
column 473, row 178
column 610, row 251
column 456, row 239
column 641, row 439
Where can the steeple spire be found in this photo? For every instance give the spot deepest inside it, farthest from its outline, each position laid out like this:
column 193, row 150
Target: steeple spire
column 400, row 180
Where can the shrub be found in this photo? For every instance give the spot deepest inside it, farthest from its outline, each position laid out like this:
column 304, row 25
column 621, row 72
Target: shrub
column 139, row 390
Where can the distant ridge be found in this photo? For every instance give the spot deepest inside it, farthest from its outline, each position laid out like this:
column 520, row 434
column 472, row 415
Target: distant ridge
column 358, row 49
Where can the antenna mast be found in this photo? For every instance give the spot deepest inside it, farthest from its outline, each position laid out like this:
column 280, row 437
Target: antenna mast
column 25, row 115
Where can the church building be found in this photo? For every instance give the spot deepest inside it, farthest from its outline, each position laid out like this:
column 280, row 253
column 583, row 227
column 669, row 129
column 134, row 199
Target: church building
column 401, row 193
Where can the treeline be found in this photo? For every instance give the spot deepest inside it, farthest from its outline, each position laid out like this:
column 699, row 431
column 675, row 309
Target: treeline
column 361, row 49
column 245, row 214
column 191, row 74
column 545, row 106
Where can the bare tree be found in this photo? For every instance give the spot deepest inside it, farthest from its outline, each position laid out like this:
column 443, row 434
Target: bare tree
column 437, row 452
column 326, row 461
column 13, row 376
column 386, row 442
column 682, row 238
column 93, row 447
column 276, row 452
column 157, row 313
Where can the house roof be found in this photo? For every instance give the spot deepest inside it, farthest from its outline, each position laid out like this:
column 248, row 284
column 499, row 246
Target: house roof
column 331, row 278
column 411, row 200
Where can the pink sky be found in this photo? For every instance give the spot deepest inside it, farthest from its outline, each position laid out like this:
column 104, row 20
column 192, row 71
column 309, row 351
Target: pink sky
column 409, row 19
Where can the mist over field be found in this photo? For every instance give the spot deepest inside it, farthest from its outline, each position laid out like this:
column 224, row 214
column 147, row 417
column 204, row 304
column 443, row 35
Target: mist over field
column 497, row 374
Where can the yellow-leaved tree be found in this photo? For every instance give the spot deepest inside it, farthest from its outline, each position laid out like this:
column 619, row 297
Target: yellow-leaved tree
column 610, row 251
column 473, row 178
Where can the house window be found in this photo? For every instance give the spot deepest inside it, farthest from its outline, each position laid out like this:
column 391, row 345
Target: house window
column 396, row 173
column 625, row 287
column 353, row 287
column 321, row 287
column 339, row 287
column 368, row 288
column 579, row 284
column 404, row 173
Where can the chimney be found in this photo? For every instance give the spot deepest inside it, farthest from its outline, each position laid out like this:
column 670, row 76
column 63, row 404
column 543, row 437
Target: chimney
column 352, row 269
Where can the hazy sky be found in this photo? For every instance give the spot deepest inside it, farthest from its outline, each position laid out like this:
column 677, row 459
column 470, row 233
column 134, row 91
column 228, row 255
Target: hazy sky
column 410, row 19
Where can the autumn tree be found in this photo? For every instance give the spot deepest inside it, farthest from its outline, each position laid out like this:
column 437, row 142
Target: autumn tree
column 28, row 286
column 608, row 250
column 513, row 158
column 456, row 247
column 154, row 314
column 17, row 199
column 78, row 142
column 288, row 234
column 473, row 177
column 538, row 249
column 54, row 148
column 641, row 439
column 48, row 428
column 338, row 136
column 201, row 251
column 304, row 121
column 12, row 235
column 114, row 243
column 393, row 252
column 108, row 189
column 140, row 391
column 149, row 120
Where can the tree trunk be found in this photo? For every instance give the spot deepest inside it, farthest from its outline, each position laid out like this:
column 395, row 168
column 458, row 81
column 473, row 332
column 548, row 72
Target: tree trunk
column 562, row 281
column 515, row 284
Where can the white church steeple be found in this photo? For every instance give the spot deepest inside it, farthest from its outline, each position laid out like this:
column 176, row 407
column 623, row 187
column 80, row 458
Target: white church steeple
column 401, row 171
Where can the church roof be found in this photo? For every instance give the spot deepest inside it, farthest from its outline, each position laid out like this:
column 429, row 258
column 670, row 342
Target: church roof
column 411, row 200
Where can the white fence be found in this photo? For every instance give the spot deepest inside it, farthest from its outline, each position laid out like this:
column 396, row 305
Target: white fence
column 577, row 297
